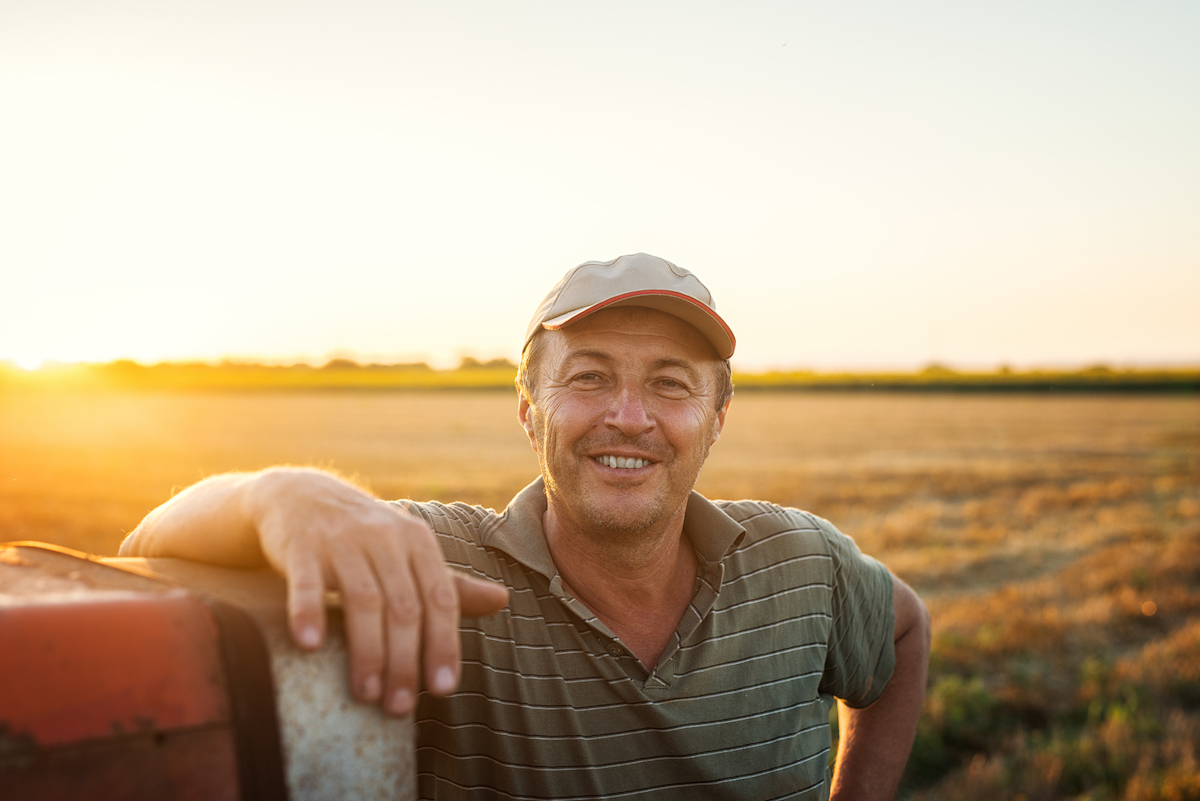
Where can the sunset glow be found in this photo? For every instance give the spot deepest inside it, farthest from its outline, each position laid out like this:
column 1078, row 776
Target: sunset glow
column 868, row 186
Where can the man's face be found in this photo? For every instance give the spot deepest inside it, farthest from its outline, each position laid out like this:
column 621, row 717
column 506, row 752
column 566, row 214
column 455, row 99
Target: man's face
column 623, row 418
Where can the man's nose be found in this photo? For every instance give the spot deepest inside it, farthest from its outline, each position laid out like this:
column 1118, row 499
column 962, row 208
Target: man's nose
column 628, row 413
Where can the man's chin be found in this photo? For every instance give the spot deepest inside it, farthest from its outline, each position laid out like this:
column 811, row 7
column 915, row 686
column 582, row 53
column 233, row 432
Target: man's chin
column 627, row 513
column 618, row 510
column 623, row 524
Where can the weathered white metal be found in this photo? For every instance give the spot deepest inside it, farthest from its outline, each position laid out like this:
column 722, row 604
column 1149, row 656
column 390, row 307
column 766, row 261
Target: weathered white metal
column 334, row 747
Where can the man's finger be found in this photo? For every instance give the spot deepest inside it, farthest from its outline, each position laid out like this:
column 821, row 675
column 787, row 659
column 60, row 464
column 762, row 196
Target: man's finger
column 478, row 597
column 306, row 601
column 363, row 603
column 440, row 636
column 402, row 623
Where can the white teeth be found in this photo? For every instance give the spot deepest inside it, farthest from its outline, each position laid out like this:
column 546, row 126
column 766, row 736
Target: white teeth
column 622, row 462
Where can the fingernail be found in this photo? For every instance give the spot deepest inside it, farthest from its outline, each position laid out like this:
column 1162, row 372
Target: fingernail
column 443, row 680
column 309, row 637
column 401, row 703
column 371, row 688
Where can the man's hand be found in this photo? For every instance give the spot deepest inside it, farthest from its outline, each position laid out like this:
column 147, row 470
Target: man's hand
column 401, row 603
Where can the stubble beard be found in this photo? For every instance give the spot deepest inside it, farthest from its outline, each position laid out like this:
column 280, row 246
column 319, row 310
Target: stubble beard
column 616, row 523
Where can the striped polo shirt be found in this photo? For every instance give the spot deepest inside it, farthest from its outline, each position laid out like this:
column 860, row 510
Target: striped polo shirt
column 787, row 615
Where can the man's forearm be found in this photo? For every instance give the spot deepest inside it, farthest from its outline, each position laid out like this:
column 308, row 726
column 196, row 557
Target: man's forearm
column 874, row 743
column 401, row 604
column 209, row 522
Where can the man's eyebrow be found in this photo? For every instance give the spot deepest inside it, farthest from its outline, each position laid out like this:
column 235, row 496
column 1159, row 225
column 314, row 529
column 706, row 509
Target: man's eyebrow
column 607, row 358
column 686, row 366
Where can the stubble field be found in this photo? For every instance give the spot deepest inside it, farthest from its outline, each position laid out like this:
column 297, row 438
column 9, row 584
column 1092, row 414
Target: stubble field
column 1056, row 539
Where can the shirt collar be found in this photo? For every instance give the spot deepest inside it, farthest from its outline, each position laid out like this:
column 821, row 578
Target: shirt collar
column 519, row 534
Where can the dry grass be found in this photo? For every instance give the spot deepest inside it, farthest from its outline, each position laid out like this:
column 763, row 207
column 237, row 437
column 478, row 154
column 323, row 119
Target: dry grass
column 82, row 470
column 1056, row 538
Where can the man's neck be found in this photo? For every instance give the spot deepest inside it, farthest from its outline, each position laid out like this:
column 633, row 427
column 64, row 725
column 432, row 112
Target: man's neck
column 639, row 587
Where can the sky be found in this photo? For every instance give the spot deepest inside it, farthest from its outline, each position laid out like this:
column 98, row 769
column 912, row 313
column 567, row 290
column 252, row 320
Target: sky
column 861, row 185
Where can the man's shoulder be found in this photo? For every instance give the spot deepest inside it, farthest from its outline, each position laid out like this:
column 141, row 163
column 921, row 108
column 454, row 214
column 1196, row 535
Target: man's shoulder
column 764, row 520
column 458, row 518
column 753, row 514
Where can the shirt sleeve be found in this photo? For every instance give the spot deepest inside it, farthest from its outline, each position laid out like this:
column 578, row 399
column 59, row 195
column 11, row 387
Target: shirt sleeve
column 456, row 527
column 861, row 654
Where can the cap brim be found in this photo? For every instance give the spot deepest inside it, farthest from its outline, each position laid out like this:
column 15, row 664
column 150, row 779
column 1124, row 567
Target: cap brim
column 685, row 307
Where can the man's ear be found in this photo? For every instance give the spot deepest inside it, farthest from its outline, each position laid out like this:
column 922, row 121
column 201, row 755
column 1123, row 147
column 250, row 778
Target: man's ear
column 523, row 414
column 720, row 423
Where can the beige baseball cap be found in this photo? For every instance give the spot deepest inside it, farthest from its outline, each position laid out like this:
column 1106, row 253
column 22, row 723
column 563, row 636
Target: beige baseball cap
column 635, row 280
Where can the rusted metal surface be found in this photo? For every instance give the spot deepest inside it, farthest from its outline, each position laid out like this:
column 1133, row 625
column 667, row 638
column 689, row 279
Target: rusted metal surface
column 187, row 765
column 76, row 670
column 108, row 692
column 334, row 746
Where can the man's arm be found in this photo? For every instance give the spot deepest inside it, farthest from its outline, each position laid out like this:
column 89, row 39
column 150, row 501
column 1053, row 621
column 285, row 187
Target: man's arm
column 401, row 602
column 874, row 743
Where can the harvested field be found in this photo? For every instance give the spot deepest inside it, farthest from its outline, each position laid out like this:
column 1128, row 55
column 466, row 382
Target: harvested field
column 1055, row 538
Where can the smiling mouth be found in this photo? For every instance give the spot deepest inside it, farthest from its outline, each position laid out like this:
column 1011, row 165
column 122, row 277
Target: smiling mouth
column 622, row 462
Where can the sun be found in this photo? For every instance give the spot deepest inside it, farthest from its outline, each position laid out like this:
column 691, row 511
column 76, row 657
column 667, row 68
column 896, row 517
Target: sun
column 29, row 363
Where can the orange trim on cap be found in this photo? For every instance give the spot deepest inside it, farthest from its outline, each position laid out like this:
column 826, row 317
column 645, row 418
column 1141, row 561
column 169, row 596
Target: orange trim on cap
column 659, row 293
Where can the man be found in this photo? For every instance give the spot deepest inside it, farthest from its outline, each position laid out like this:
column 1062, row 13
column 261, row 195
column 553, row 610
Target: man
column 654, row 644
